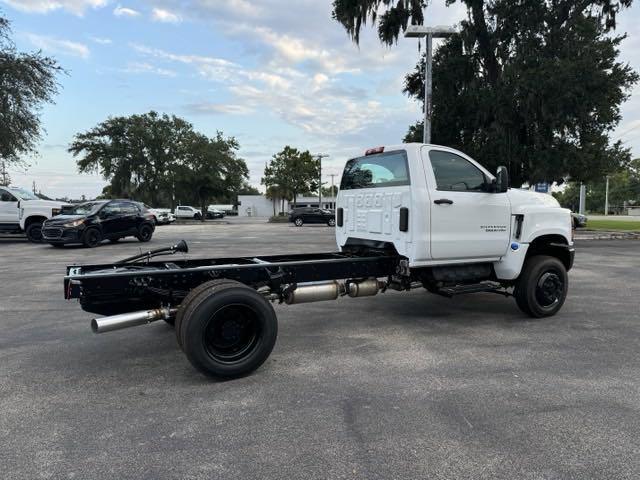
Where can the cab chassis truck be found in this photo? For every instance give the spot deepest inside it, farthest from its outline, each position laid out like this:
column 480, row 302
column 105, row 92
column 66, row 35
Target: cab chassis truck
column 408, row 216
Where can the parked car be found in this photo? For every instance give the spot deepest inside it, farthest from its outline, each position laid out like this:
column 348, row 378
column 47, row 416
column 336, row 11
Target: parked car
column 92, row 222
column 161, row 216
column 186, row 211
column 302, row 215
column 213, row 213
column 578, row 220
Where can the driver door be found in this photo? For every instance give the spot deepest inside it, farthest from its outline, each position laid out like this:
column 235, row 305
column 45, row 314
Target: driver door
column 467, row 221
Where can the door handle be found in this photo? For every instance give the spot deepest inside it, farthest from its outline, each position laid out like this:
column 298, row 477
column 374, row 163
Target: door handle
column 440, row 201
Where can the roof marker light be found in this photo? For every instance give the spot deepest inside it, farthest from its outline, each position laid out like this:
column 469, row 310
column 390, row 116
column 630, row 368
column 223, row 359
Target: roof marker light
column 373, row 151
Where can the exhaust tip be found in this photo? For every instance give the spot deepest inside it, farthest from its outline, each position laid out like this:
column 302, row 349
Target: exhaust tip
column 94, row 325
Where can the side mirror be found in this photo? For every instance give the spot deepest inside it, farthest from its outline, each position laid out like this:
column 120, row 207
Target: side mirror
column 502, row 179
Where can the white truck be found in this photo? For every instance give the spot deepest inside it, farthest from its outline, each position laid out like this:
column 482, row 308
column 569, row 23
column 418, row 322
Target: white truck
column 21, row 212
column 408, row 216
column 187, row 211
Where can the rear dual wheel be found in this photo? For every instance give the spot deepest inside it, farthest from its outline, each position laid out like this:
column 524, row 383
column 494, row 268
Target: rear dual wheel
column 226, row 328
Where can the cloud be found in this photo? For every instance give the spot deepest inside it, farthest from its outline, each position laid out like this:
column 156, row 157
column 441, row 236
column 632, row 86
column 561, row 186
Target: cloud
column 218, row 108
column 77, row 7
column 101, row 40
column 121, row 11
column 60, row 46
column 143, row 67
column 164, row 16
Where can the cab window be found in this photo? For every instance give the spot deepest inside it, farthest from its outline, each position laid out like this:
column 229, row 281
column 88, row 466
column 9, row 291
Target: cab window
column 7, row 197
column 387, row 169
column 454, row 173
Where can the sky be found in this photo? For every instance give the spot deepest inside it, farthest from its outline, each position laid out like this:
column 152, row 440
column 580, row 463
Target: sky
column 268, row 72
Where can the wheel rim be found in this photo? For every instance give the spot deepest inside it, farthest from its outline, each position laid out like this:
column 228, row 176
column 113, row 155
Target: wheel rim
column 332, row 222
column 145, row 233
column 298, row 222
column 549, row 289
column 231, row 333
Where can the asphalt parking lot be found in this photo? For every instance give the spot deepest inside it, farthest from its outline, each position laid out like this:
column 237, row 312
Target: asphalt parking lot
column 401, row 385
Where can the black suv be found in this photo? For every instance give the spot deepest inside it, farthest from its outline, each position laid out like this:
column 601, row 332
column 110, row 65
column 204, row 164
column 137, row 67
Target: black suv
column 300, row 216
column 92, row 222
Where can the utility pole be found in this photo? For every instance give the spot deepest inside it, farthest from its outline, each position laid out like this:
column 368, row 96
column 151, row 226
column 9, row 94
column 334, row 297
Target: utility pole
column 583, row 198
column 606, row 197
column 419, row 31
column 320, row 156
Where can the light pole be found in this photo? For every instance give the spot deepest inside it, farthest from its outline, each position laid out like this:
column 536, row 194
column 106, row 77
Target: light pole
column 606, row 197
column 320, row 156
column 418, row 31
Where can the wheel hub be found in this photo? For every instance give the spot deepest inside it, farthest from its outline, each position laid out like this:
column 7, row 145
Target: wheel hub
column 549, row 289
column 231, row 333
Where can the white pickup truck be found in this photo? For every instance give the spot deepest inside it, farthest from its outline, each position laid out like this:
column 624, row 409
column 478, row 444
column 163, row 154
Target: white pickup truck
column 408, row 216
column 22, row 212
column 460, row 228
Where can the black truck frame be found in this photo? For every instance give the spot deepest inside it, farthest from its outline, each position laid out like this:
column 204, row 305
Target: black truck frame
column 221, row 307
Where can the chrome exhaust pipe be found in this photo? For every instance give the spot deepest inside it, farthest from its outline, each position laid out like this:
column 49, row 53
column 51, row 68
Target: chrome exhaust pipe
column 126, row 320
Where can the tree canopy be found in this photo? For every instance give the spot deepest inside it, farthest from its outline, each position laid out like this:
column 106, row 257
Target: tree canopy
column 291, row 172
column 161, row 159
column 210, row 169
column 536, row 86
column 27, row 81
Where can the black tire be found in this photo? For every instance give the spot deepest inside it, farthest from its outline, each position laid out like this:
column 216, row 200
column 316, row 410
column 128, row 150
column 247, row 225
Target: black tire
column 91, row 237
column 332, row 222
column 298, row 222
column 145, row 232
column 542, row 286
column 228, row 330
column 34, row 232
column 190, row 297
column 197, row 216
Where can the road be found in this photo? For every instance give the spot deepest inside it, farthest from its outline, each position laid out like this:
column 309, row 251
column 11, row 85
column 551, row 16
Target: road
column 401, row 385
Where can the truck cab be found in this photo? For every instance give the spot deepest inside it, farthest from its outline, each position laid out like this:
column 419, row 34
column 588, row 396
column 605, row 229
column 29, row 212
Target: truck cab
column 23, row 212
column 456, row 223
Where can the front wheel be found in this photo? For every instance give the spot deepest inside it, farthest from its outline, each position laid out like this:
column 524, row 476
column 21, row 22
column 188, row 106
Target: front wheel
column 542, row 286
column 91, row 238
column 227, row 329
column 34, row 232
column 298, row 222
column 332, row 222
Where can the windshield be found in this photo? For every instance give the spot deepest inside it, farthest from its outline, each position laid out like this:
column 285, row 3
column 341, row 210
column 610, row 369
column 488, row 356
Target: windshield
column 23, row 194
column 85, row 208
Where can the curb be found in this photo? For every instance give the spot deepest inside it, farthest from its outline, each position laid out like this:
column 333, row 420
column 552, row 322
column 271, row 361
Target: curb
column 598, row 235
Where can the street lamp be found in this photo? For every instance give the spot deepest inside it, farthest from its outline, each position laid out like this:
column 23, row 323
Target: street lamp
column 419, row 31
column 320, row 157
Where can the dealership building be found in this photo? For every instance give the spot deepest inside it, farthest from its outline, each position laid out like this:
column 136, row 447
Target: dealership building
column 261, row 206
